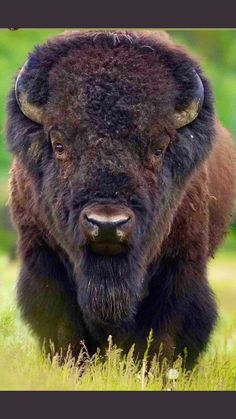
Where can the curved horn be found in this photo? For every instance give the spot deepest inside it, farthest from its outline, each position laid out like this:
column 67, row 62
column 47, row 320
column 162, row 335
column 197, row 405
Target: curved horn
column 185, row 116
column 33, row 112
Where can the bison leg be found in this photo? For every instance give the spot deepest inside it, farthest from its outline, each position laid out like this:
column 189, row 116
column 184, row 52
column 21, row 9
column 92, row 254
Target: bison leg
column 47, row 300
column 197, row 324
column 180, row 309
column 193, row 318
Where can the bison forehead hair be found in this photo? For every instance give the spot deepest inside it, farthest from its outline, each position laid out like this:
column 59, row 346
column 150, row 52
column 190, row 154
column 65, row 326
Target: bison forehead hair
column 107, row 129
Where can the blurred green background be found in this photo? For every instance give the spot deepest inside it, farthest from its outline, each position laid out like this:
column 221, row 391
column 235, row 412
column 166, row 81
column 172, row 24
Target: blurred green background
column 214, row 48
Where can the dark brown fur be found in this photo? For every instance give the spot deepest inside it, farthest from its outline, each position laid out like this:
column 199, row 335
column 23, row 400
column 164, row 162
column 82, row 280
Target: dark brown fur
column 114, row 97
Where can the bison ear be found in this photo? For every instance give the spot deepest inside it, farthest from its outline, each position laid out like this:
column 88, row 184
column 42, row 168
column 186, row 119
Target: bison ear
column 33, row 112
column 185, row 116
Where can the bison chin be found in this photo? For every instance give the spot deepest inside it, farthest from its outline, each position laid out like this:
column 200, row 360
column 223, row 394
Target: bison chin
column 109, row 288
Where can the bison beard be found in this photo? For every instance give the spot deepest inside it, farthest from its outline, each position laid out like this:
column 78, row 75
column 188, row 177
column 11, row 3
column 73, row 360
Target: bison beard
column 109, row 289
column 122, row 187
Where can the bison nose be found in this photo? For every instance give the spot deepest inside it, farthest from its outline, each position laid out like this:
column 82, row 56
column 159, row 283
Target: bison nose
column 107, row 229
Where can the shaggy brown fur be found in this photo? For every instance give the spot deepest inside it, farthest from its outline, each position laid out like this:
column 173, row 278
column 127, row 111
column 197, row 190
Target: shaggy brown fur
column 108, row 98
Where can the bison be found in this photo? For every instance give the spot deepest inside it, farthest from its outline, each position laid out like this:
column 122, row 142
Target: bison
column 122, row 187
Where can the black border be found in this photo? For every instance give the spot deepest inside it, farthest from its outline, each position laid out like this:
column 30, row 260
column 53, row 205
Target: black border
column 117, row 405
column 183, row 14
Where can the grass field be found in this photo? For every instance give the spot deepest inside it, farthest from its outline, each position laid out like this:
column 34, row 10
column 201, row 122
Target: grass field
column 23, row 367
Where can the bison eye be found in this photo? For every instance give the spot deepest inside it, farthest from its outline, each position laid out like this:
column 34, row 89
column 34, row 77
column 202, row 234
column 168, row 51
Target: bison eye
column 59, row 150
column 56, row 139
column 159, row 144
column 158, row 152
column 58, row 147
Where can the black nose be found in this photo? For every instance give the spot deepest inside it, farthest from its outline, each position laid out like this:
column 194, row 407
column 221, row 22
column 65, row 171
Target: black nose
column 107, row 228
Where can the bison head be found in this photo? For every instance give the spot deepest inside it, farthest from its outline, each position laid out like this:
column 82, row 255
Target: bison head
column 109, row 127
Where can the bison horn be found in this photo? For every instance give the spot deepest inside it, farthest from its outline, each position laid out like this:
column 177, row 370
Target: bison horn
column 33, row 112
column 185, row 116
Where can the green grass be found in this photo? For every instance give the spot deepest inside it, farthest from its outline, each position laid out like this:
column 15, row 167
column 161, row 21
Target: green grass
column 23, row 367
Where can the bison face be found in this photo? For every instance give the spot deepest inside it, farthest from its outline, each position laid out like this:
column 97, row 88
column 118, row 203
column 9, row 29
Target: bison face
column 109, row 134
